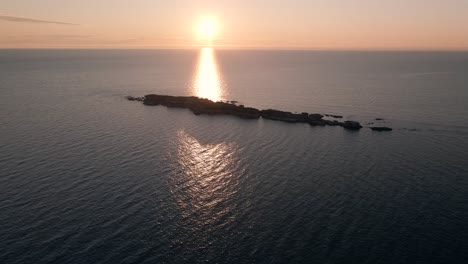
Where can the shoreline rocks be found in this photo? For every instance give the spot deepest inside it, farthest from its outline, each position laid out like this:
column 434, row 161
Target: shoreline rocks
column 334, row 116
column 200, row 106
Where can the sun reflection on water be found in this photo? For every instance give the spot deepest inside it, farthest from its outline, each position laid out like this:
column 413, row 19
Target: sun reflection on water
column 206, row 179
column 208, row 82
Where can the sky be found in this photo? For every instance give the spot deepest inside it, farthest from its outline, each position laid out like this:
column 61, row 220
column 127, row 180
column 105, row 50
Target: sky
column 293, row 24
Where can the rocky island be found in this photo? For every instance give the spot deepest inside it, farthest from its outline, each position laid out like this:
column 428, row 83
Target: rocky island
column 202, row 106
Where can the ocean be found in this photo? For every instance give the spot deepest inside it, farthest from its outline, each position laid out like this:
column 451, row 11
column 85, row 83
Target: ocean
column 89, row 177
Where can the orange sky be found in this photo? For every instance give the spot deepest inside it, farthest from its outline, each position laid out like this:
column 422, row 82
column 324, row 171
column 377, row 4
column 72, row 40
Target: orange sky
column 300, row 24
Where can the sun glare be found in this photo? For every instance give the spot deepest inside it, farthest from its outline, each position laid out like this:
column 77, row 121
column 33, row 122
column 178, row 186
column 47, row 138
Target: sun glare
column 208, row 82
column 207, row 28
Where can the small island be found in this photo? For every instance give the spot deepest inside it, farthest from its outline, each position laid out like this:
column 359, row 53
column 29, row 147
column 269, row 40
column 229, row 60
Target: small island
column 202, row 106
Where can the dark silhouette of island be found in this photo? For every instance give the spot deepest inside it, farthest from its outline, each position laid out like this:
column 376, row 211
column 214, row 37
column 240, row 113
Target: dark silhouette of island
column 202, row 106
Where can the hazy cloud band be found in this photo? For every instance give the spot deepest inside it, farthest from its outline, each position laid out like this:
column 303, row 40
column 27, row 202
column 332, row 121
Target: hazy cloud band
column 30, row 20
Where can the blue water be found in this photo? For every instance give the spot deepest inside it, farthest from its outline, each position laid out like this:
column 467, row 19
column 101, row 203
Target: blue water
column 89, row 177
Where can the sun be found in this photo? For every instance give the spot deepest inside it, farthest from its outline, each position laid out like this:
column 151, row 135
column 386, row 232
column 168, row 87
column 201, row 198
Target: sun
column 207, row 28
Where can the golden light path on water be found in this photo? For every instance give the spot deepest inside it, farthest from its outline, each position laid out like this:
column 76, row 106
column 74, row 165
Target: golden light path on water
column 208, row 83
column 208, row 176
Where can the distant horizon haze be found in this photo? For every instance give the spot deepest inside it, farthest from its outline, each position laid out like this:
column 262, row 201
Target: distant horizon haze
column 303, row 25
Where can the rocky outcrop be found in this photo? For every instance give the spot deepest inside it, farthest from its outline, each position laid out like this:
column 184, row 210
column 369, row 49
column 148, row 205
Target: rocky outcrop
column 132, row 98
column 352, row 125
column 334, row 116
column 381, row 128
column 284, row 116
column 200, row 106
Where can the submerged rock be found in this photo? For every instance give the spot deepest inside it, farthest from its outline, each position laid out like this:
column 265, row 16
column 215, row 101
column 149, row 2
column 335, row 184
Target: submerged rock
column 133, row 98
column 317, row 122
column 333, row 123
column 381, row 128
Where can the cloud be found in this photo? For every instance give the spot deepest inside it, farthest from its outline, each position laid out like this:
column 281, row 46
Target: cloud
column 59, row 36
column 30, row 20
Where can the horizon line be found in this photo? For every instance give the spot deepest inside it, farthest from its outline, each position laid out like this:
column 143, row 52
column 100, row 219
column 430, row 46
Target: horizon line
column 240, row 48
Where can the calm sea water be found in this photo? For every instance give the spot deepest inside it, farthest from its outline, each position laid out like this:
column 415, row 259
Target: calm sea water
column 88, row 177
